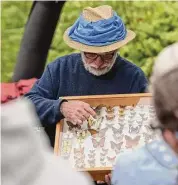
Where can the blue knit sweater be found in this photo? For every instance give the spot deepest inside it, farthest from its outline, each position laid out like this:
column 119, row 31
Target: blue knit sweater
column 67, row 77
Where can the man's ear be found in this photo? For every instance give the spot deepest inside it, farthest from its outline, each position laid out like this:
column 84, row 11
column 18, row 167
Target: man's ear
column 171, row 139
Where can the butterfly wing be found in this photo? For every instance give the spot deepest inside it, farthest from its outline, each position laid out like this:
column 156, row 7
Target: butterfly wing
column 102, row 132
column 113, row 144
column 119, row 145
column 111, row 159
column 105, row 150
column 115, row 130
column 110, row 116
column 95, row 143
column 91, row 163
column 118, row 137
column 102, row 141
column 92, row 131
column 128, row 141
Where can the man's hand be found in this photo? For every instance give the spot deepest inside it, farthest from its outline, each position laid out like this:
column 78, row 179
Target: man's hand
column 76, row 111
column 107, row 180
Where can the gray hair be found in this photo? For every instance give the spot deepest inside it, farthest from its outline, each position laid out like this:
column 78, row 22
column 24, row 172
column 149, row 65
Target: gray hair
column 164, row 82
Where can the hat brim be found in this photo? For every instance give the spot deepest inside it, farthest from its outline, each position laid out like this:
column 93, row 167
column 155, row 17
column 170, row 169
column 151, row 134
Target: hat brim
column 98, row 49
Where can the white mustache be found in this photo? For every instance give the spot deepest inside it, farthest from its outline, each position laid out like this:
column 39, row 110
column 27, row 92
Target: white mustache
column 98, row 72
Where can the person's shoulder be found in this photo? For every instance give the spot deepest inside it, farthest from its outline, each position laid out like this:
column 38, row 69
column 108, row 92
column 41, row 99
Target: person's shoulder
column 128, row 64
column 132, row 159
column 129, row 166
column 65, row 60
column 57, row 170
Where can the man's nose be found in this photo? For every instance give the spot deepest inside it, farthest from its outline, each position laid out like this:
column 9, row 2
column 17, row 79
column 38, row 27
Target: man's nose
column 98, row 62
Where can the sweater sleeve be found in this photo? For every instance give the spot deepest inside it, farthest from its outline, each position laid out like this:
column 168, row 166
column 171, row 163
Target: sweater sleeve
column 43, row 95
column 142, row 82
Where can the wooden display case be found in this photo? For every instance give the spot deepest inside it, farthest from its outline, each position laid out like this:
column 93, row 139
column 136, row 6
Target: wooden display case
column 136, row 102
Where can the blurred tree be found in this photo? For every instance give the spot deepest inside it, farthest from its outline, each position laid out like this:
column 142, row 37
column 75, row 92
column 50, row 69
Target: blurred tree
column 37, row 38
column 154, row 22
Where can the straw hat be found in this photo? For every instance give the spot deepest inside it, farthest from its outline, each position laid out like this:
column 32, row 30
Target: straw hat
column 98, row 30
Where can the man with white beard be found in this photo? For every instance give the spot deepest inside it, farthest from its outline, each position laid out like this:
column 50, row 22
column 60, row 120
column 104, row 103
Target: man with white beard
column 98, row 33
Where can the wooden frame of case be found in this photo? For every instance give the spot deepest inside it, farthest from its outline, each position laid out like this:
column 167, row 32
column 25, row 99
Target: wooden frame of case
column 108, row 100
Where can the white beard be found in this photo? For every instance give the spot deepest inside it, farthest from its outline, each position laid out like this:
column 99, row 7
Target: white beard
column 98, row 72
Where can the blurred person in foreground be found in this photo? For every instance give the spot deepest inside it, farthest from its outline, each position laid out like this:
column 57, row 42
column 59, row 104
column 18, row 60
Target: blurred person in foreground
column 156, row 163
column 98, row 69
column 26, row 160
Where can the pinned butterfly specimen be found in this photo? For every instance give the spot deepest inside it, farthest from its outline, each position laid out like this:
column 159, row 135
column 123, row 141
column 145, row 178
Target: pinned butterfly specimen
column 116, row 146
column 130, row 107
column 80, row 158
column 118, row 131
column 152, row 113
column 101, row 133
column 122, row 106
column 142, row 115
column 121, row 119
column 151, row 109
column 109, row 125
column 110, row 117
column 133, row 113
column 92, row 151
column 117, row 137
column 102, row 157
column 92, row 163
column 148, row 137
column 91, row 156
column 79, row 151
column 121, row 112
column 98, row 123
column 98, row 109
column 79, row 165
column 81, row 135
column 121, row 122
column 105, row 150
column 141, row 106
column 91, row 121
column 131, row 121
column 111, row 159
column 94, row 124
column 134, row 129
column 103, row 154
column 144, row 118
column 110, row 110
column 130, row 117
column 66, row 147
column 68, row 135
column 103, row 163
column 98, row 143
column 132, row 142
column 117, row 151
column 152, row 116
column 148, row 128
column 72, row 126
column 139, row 122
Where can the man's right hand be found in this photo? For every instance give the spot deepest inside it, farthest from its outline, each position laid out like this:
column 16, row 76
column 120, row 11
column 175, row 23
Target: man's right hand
column 76, row 111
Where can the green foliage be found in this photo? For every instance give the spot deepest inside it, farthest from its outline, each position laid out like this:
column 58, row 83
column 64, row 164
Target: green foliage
column 13, row 20
column 154, row 22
